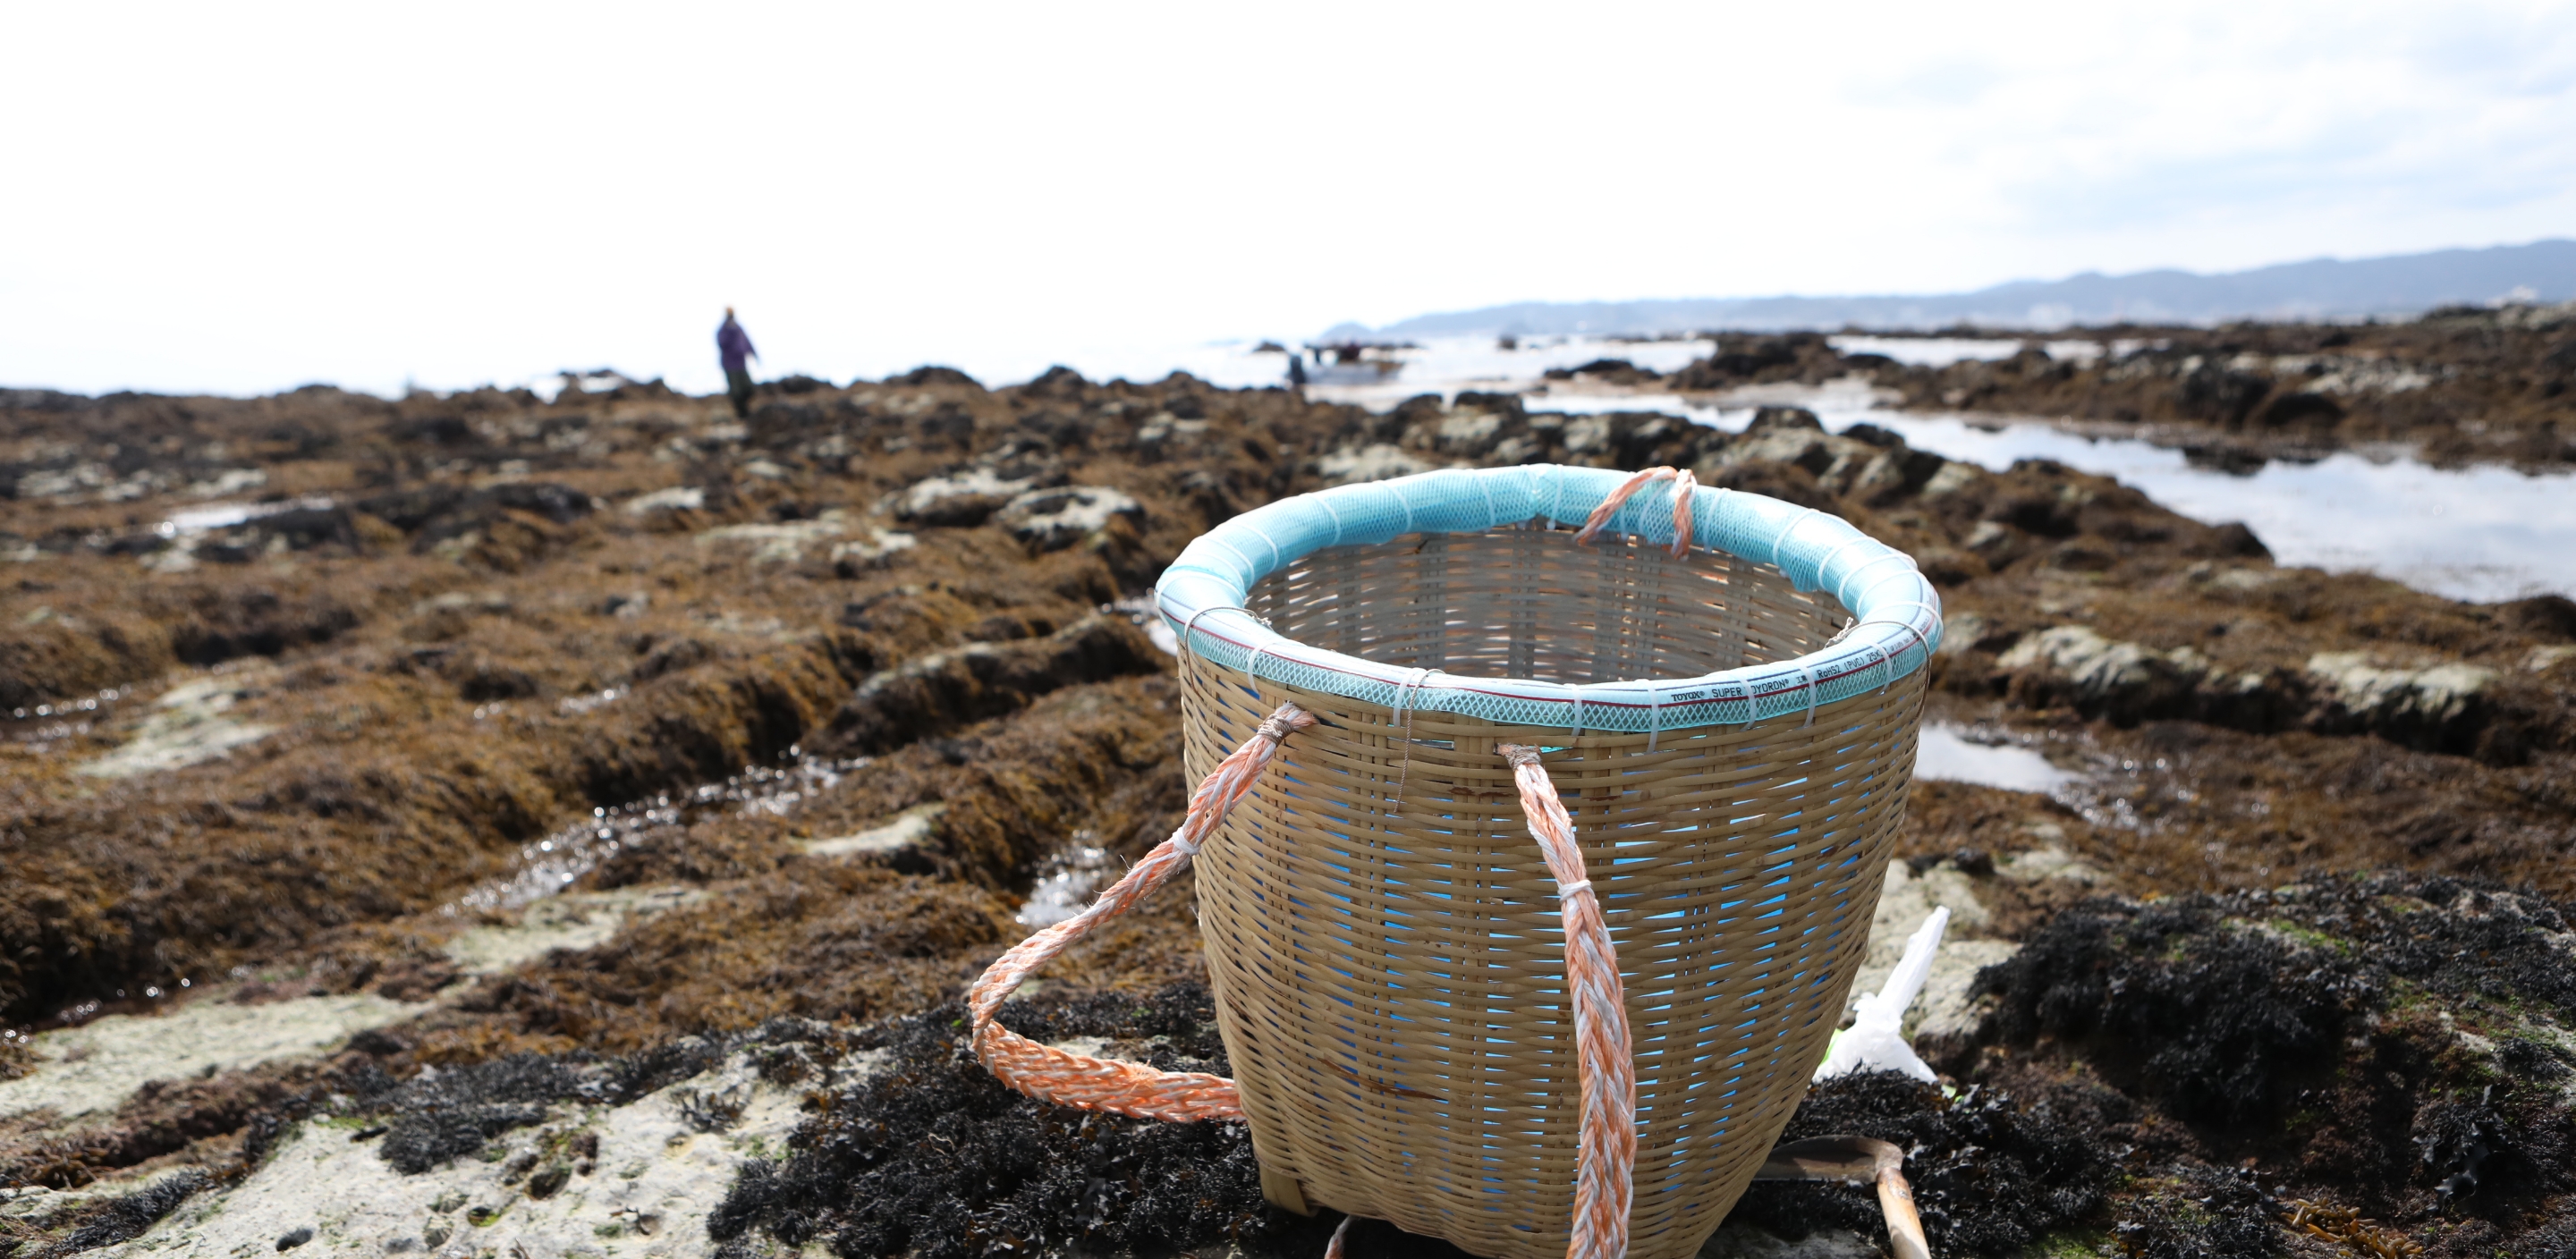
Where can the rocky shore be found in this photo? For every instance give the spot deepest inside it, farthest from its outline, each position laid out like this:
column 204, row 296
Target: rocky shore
column 474, row 824
column 2459, row 385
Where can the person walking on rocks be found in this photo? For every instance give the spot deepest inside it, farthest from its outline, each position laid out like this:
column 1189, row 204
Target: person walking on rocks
column 733, row 346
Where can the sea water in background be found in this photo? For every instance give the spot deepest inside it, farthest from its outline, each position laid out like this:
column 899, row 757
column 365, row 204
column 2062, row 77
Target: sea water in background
column 2480, row 533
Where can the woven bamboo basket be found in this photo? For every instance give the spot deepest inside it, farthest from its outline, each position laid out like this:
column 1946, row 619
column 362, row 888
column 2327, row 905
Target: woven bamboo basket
column 1732, row 732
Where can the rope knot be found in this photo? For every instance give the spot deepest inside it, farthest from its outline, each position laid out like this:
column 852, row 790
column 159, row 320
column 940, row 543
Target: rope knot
column 1518, row 753
column 1684, row 487
column 1287, row 720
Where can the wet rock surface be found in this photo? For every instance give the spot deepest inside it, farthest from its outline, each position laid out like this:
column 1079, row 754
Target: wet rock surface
column 546, row 740
column 2462, row 384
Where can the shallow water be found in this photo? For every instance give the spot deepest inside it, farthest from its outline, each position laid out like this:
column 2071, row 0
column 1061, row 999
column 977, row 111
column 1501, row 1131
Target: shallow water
column 2479, row 533
column 226, row 515
column 1065, row 883
column 1944, row 752
column 549, row 865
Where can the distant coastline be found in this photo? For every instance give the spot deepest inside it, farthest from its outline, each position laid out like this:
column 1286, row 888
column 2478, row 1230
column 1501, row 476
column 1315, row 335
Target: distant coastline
column 2323, row 289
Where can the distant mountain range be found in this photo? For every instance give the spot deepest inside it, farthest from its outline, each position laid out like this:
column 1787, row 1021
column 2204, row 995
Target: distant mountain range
column 2408, row 284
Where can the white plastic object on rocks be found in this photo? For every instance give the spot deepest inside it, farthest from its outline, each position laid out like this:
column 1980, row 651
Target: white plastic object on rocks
column 1876, row 1039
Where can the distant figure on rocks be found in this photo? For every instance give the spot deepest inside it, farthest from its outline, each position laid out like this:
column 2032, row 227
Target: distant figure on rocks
column 1297, row 373
column 733, row 345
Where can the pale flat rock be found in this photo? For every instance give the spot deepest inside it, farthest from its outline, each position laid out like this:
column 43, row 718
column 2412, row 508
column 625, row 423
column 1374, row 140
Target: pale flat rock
column 779, row 543
column 911, row 828
column 93, row 1067
column 2435, row 693
column 676, row 498
column 2101, row 667
column 648, row 1192
column 574, row 920
column 927, row 498
column 188, row 725
column 2051, row 862
column 1053, row 519
column 2543, row 659
column 879, row 546
column 1952, row 478
column 1353, row 464
column 1944, row 1008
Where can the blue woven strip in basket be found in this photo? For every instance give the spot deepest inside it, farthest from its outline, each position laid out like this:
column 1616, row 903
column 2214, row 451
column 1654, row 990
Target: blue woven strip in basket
column 1898, row 613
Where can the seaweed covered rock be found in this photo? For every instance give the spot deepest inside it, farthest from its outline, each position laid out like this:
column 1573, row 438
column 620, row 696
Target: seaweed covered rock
column 2211, row 1022
column 1991, row 1176
column 930, row 1156
column 943, row 691
column 2393, row 1044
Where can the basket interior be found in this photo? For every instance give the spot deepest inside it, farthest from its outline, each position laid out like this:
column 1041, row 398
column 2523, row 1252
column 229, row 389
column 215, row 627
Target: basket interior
column 1528, row 603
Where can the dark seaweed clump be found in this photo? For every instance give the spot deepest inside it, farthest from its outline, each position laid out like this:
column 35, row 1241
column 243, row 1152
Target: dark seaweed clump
column 2213, row 1025
column 127, row 1217
column 1990, row 1176
column 929, row 1156
column 442, row 1115
column 2390, row 1045
column 2200, row 1213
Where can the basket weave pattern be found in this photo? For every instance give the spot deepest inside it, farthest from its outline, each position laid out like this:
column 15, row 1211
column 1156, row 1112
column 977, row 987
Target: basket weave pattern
column 1384, row 936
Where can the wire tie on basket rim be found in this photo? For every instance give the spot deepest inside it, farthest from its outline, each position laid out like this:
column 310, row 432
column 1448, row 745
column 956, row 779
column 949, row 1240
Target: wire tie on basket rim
column 1875, row 618
column 1258, row 532
column 1251, row 680
column 1782, row 539
column 1910, row 574
column 1404, row 774
column 1908, row 627
column 1810, row 672
column 1486, row 485
column 1578, row 709
column 1407, row 501
column 1325, row 501
column 1858, row 538
column 1191, row 625
column 1841, row 588
column 1238, row 554
column 1654, row 716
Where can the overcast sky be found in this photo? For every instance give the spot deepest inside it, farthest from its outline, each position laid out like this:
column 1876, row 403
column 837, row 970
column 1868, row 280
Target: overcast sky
column 238, row 198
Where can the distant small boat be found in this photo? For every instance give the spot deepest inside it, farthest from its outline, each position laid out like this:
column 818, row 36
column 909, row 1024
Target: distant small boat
column 1356, row 362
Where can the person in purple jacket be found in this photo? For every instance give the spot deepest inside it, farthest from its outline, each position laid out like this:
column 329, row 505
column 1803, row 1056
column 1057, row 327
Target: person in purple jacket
column 733, row 345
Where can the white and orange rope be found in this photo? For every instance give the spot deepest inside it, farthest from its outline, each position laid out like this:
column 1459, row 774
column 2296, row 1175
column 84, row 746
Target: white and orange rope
column 1604, row 1065
column 1606, row 1147
column 1684, row 485
column 1124, row 1088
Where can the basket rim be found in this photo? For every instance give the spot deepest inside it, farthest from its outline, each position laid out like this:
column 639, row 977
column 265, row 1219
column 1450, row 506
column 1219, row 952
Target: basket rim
column 1897, row 613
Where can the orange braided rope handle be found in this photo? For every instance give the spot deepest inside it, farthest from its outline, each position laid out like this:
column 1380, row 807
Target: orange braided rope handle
column 1683, row 486
column 1606, row 1148
column 1607, row 1144
column 1124, row 1088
